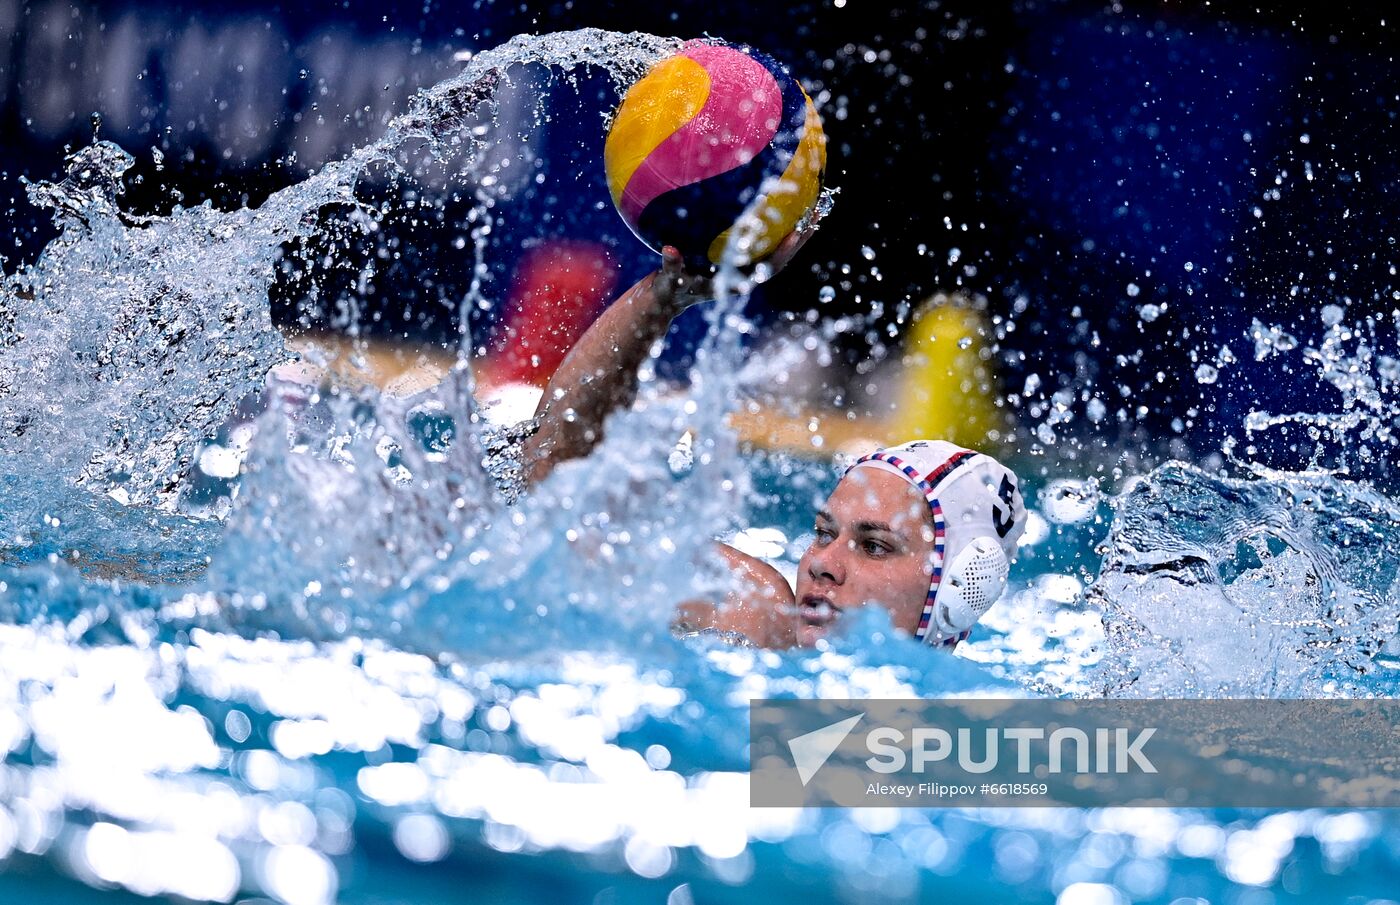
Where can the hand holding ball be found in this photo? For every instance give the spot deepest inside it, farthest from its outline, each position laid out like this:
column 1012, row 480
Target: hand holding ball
column 703, row 136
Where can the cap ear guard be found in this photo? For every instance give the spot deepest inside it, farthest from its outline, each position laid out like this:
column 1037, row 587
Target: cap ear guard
column 970, row 586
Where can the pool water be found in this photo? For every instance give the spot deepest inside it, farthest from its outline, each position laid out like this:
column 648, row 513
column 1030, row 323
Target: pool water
column 154, row 749
column 356, row 674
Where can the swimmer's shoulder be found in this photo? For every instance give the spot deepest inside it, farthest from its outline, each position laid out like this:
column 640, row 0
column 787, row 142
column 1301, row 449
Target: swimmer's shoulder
column 764, row 583
column 758, row 605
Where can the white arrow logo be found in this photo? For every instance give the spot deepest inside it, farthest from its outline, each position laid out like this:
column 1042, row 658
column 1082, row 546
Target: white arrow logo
column 810, row 751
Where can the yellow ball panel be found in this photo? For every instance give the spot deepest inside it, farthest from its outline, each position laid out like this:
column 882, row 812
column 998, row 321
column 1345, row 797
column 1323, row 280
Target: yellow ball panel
column 666, row 98
column 796, row 192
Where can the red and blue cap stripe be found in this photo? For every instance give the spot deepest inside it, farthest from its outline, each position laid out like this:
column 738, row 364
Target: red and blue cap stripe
column 928, row 486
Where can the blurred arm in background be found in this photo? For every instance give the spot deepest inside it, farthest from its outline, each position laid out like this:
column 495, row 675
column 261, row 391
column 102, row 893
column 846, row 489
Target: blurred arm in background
column 600, row 373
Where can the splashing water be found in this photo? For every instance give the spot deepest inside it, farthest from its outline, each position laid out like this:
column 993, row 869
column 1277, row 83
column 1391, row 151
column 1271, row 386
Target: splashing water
column 372, row 652
column 1347, row 359
column 1283, row 584
column 1273, row 587
column 134, row 338
column 130, row 339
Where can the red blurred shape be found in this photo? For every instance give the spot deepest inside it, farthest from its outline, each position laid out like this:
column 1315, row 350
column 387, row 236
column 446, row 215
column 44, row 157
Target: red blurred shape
column 559, row 288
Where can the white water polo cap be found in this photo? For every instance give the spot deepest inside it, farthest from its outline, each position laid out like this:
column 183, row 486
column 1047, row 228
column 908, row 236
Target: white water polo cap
column 978, row 519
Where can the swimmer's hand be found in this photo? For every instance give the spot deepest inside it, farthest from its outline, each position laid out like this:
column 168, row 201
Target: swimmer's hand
column 678, row 289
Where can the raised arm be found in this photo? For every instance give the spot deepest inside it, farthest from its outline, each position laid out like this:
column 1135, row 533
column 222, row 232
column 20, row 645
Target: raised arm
column 600, row 372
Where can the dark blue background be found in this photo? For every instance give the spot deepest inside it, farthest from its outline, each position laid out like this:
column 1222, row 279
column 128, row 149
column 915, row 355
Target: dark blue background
column 1065, row 150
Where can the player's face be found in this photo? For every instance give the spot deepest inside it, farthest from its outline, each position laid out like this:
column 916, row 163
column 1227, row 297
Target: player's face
column 874, row 544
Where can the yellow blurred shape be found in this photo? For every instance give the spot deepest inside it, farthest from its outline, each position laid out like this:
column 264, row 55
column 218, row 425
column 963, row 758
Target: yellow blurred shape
column 947, row 390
